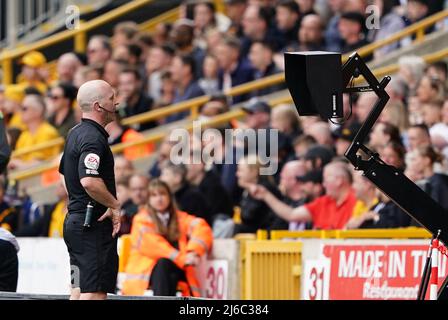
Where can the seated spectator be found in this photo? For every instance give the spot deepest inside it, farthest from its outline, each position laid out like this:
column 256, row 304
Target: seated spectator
column 439, row 131
column 34, row 73
column 411, row 70
column 112, row 71
column 209, row 82
column 159, row 59
column 12, row 112
column 430, row 89
column 438, row 70
column 124, row 33
column 99, row 50
column 344, row 138
column 67, row 66
column 163, row 156
column 261, row 57
column 418, row 136
column 204, row 18
column 234, row 70
column 351, row 27
column 188, row 197
column 123, row 169
column 9, row 217
column 38, row 131
column 333, row 38
column 396, row 114
column 301, row 145
column 435, row 184
column 306, row 7
column 51, row 222
column 130, row 90
column 167, row 245
column 215, row 106
column 317, row 157
column 288, row 21
column 9, row 264
column 393, row 154
column 138, row 199
column 88, row 73
column 60, row 102
column 390, row 23
column 382, row 134
column 310, row 35
column 182, row 74
column 161, row 33
column 284, row 118
column 331, row 211
column 417, row 10
column 432, row 113
column 321, row 132
column 209, row 184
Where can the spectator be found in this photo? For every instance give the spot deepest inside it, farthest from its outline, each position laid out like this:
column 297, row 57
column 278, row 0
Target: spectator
column 182, row 73
column 99, row 50
column 33, row 73
column 67, row 66
column 344, row 138
column 390, row 23
column 432, row 113
column 310, row 34
column 306, row 7
column 204, row 18
column 393, row 154
column 396, row 114
column 209, row 184
column 438, row 70
column 159, row 60
column 430, row 89
column 233, row 69
column 256, row 26
column 138, row 199
column 9, row 217
column 9, row 264
column 61, row 98
column 51, row 222
column 310, row 186
column 13, row 96
column 161, row 33
column 284, row 118
column 124, row 33
column 417, row 10
column 351, row 26
column 418, row 136
column 317, row 157
column 188, row 197
column 130, row 53
column 112, row 71
column 333, row 38
column 411, row 70
column 261, row 57
column 331, row 211
column 38, row 131
column 382, row 134
column 145, row 42
column 255, row 214
column 130, row 90
column 123, row 169
column 288, row 21
column 209, row 82
column 235, row 11
column 439, row 131
column 321, row 132
column 182, row 35
column 163, row 156
column 302, row 144
column 216, row 105
column 88, row 73
column 167, row 245
column 435, row 184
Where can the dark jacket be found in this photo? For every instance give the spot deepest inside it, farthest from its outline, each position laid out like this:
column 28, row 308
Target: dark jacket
column 68, row 123
column 41, row 226
column 191, row 200
column 193, row 90
column 219, row 200
column 256, row 214
column 270, row 70
column 243, row 73
column 5, row 150
column 144, row 104
column 390, row 216
column 437, row 187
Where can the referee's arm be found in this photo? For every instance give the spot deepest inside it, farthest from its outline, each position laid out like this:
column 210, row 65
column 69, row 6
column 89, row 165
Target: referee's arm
column 97, row 190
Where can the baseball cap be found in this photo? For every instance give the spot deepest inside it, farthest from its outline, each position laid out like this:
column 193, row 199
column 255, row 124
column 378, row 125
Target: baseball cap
column 314, row 176
column 257, row 106
column 319, row 152
column 34, row 59
column 347, row 133
column 14, row 92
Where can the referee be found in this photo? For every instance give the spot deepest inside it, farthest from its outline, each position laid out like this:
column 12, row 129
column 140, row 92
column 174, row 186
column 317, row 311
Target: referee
column 88, row 169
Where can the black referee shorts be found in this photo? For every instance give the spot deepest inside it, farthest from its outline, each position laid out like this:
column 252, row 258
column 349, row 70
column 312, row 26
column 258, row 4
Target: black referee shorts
column 9, row 267
column 93, row 254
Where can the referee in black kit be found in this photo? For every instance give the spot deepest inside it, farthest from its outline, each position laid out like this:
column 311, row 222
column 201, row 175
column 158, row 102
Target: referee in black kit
column 88, row 169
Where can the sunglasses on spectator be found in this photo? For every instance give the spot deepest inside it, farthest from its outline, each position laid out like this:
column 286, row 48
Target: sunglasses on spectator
column 53, row 97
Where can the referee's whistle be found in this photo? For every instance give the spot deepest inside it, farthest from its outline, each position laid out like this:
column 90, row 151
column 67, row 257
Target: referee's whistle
column 89, row 212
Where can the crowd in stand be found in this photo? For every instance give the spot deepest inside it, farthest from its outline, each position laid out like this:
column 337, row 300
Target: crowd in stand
column 206, row 52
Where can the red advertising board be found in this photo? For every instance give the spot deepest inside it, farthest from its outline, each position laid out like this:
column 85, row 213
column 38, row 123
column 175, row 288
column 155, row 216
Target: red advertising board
column 368, row 272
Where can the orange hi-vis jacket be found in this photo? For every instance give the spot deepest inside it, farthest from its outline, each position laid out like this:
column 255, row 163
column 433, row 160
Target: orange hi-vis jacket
column 147, row 246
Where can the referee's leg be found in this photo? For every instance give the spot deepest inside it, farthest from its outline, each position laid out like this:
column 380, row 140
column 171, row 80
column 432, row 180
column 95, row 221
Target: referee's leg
column 9, row 267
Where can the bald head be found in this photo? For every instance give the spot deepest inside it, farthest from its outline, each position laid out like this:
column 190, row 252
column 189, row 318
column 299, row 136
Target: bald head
column 91, row 92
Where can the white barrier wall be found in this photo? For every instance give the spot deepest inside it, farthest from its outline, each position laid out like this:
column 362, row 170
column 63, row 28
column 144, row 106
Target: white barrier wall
column 44, row 268
column 364, row 269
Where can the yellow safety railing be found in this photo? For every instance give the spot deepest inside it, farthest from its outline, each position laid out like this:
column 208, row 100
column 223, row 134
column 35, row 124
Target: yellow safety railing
column 79, row 35
column 398, row 233
column 169, row 16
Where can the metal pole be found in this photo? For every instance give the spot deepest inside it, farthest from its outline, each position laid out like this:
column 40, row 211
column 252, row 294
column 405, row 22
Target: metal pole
column 12, row 22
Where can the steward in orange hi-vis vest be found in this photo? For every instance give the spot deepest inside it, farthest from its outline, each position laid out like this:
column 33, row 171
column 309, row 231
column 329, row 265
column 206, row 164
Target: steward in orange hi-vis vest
column 166, row 244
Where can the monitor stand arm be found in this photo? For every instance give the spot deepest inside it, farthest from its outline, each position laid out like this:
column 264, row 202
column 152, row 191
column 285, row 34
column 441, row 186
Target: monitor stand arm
column 391, row 181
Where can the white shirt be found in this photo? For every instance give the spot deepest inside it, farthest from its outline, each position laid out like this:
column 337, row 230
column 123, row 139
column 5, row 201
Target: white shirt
column 164, row 217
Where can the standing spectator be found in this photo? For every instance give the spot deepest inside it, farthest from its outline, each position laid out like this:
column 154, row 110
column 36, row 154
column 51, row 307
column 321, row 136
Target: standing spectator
column 188, row 197
column 138, row 200
column 61, row 98
column 9, row 264
column 182, row 73
column 233, row 69
column 67, row 66
column 38, row 131
column 167, row 245
column 130, row 90
column 261, row 57
column 99, row 50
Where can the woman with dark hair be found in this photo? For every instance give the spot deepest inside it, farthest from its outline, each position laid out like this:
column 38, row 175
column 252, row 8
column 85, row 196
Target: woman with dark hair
column 167, row 245
column 389, row 23
column 393, row 154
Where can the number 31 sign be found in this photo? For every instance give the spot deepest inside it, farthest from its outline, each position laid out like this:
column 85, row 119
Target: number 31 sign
column 316, row 279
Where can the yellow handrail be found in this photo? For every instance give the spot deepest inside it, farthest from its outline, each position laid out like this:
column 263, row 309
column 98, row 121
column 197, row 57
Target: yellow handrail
column 169, row 16
column 7, row 56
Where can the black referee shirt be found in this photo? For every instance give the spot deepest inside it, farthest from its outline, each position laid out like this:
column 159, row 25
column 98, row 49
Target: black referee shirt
column 86, row 154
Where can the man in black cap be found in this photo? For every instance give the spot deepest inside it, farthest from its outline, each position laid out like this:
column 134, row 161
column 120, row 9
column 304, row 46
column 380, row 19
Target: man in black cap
column 317, row 157
column 344, row 137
